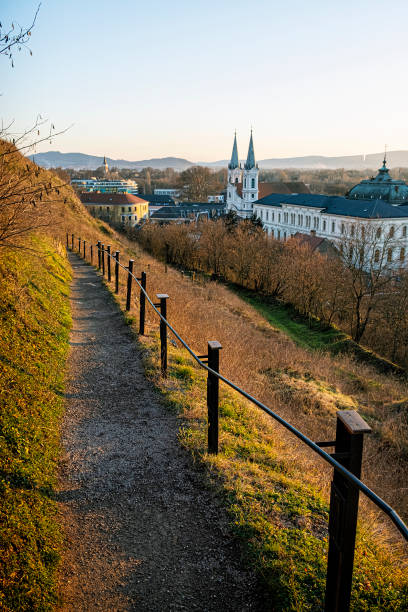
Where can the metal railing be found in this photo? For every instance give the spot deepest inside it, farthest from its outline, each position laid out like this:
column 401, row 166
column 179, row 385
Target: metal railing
column 348, row 445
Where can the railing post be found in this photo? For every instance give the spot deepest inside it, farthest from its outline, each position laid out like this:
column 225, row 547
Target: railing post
column 67, row 241
column 344, row 510
column 117, row 271
column 142, row 305
column 98, row 244
column 108, row 249
column 79, row 246
column 163, row 332
column 103, row 258
column 84, row 249
column 91, row 254
column 129, row 284
column 212, row 395
column 72, row 242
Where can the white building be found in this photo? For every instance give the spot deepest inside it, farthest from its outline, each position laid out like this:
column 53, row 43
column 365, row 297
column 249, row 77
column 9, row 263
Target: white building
column 174, row 193
column 375, row 207
column 244, row 189
column 105, row 185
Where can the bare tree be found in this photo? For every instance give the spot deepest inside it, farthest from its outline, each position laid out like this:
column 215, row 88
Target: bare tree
column 16, row 37
column 366, row 252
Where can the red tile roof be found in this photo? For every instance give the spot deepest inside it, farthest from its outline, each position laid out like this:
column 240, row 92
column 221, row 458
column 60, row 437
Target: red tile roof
column 309, row 239
column 110, row 198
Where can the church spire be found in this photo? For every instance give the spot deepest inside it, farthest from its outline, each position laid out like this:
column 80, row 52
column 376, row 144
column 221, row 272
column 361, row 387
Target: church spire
column 105, row 165
column 234, row 163
column 250, row 162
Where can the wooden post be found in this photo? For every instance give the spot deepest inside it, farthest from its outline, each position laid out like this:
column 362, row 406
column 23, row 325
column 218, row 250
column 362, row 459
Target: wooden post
column 108, row 257
column 67, row 241
column 84, row 249
column 344, row 510
column 117, row 271
column 129, row 284
column 98, row 244
column 163, row 332
column 91, row 254
column 142, row 305
column 212, row 395
column 79, row 246
column 103, row 258
column 72, row 242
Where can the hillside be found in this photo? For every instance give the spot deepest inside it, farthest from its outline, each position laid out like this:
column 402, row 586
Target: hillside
column 81, row 161
column 274, row 491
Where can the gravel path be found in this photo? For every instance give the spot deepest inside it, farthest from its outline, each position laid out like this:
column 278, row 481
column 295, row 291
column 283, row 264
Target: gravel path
column 142, row 531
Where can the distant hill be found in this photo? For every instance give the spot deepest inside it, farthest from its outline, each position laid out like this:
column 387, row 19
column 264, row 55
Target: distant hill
column 81, row 161
column 78, row 161
column 320, row 162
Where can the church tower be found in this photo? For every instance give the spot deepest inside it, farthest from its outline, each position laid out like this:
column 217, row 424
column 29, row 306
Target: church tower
column 250, row 178
column 105, row 166
column 234, row 171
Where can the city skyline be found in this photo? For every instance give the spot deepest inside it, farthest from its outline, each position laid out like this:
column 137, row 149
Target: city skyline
column 178, row 79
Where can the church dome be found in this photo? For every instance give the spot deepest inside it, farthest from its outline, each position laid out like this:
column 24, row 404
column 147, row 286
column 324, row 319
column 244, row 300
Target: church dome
column 381, row 187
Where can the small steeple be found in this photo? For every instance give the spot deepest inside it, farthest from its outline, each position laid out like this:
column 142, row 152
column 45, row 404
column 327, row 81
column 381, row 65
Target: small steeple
column 105, row 165
column 234, row 163
column 250, row 162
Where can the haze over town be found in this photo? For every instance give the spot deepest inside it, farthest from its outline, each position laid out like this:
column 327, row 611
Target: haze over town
column 175, row 79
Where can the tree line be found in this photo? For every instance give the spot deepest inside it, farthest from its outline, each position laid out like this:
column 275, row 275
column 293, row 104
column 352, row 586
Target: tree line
column 355, row 287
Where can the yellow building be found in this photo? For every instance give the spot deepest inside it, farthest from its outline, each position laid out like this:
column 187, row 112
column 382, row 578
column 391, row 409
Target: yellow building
column 116, row 208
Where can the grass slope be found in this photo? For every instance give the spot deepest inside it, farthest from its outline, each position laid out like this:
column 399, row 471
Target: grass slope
column 34, row 328
column 280, row 520
column 307, row 335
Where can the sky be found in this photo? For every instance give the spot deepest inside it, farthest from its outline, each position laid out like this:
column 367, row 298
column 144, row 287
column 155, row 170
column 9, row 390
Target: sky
column 136, row 80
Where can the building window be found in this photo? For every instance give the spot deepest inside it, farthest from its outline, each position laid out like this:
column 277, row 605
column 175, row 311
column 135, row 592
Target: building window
column 378, row 232
column 404, row 231
column 333, row 227
column 392, row 231
column 123, row 209
column 342, row 228
column 272, row 233
column 278, row 234
column 279, row 217
column 253, row 195
column 123, row 217
column 316, row 222
column 262, row 214
column 273, row 216
column 267, row 215
column 402, row 254
column 389, row 255
column 244, row 183
column 285, row 217
column 377, row 256
column 307, row 221
column 284, row 236
column 253, row 183
column 324, row 225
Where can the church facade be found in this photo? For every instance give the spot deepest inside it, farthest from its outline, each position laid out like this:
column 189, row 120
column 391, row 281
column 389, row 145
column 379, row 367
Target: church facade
column 244, row 188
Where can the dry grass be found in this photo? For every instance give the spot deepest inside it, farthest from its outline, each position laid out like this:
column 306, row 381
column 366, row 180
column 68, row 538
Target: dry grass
column 306, row 387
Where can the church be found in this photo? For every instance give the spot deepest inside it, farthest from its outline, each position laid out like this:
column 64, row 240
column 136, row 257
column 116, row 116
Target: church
column 379, row 204
column 244, row 188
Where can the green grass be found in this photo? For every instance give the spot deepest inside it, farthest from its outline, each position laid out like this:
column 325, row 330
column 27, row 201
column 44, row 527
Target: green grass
column 278, row 516
column 311, row 335
column 34, row 328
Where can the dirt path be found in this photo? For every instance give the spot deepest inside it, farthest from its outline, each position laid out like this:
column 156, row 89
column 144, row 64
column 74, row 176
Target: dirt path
column 142, row 531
